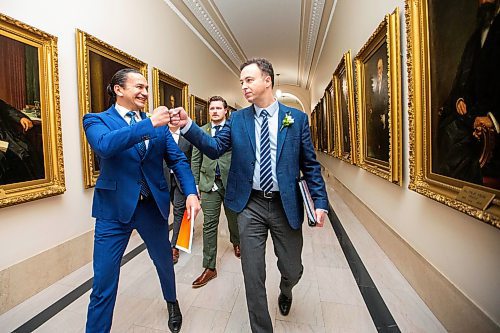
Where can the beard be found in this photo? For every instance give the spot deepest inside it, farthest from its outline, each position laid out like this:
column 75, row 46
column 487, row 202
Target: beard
column 486, row 13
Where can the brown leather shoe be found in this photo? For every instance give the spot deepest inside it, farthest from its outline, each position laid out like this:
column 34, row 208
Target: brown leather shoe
column 203, row 279
column 237, row 251
column 175, row 255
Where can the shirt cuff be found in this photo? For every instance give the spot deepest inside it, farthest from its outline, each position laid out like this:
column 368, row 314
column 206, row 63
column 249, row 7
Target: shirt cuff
column 495, row 122
column 325, row 210
column 186, row 128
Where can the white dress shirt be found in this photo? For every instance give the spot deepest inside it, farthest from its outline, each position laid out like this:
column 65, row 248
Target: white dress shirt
column 123, row 112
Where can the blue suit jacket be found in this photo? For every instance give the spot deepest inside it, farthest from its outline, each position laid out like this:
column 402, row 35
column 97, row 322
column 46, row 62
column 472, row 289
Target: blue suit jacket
column 295, row 153
column 117, row 189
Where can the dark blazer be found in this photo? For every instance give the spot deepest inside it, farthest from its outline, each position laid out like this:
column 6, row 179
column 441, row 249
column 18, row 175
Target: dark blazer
column 187, row 148
column 295, row 154
column 117, row 189
column 11, row 131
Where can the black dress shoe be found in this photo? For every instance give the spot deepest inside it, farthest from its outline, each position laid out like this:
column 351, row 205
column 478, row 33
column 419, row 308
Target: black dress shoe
column 174, row 317
column 284, row 303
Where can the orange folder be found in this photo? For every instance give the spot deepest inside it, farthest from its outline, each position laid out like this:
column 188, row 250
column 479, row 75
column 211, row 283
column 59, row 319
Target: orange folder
column 185, row 238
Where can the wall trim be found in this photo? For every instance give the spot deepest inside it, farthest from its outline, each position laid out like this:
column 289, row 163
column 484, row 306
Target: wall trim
column 28, row 277
column 453, row 309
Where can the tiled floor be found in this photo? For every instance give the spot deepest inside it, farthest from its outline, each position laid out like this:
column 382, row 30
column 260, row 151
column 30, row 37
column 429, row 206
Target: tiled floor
column 326, row 299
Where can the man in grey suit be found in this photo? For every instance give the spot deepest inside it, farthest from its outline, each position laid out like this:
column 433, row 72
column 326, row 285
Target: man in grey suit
column 211, row 178
column 177, row 197
column 271, row 147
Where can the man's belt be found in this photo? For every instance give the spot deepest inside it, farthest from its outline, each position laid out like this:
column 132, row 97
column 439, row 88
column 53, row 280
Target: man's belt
column 271, row 195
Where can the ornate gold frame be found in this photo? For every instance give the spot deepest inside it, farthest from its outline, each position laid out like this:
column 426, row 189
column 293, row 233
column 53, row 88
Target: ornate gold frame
column 388, row 32
column 422, row 180
column 160, row 76
column 345, row 64
column 331, row 119
column 193, row 101
column 85, row 43
column 54, row 182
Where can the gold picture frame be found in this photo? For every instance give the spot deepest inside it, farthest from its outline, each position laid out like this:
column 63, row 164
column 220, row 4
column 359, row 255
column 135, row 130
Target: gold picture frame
column 378, row 97
column 32, row 155
column 199, row 110
column 97, row 63
column 331, row 118
column 169, row 91
column 344, row 97
column 432, row 110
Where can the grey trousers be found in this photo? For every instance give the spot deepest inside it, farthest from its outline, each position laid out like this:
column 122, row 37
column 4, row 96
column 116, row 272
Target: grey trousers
column 254, row 222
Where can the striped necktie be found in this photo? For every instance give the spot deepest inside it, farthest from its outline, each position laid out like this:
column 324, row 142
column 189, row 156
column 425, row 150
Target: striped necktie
column 145, row 190
column 266, row 174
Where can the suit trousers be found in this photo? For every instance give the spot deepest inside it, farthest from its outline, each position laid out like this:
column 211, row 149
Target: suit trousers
column 110, row 240
column 179, row 206
column 259, row 217
column 211, row 204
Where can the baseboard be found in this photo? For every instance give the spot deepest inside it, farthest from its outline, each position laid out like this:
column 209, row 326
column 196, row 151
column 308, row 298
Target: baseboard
column 25, row 279
column 453, row 309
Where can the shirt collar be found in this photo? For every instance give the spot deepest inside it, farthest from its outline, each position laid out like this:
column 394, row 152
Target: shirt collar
column 123, row 111
column 271, row 109
column 212, row 125
column 178, row 132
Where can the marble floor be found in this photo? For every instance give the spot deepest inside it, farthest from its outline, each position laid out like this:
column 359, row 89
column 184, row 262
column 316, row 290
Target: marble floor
column 327, row 299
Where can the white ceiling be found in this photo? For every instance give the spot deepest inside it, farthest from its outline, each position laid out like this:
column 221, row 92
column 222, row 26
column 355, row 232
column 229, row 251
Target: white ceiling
column 290, row 33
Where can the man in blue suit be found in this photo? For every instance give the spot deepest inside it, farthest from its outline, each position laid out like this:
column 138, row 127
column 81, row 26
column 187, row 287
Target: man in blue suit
column 132, row 193
column 271, row 145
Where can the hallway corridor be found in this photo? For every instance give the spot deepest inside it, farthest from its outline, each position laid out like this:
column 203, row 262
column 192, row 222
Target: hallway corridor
column 327, row 299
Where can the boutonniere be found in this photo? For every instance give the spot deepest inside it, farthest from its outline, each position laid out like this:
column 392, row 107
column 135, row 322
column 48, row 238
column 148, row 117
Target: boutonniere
column 287, row 121
column 149, row 115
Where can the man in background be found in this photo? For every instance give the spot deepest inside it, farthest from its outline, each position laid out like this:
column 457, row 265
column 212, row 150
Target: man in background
column 211, row 178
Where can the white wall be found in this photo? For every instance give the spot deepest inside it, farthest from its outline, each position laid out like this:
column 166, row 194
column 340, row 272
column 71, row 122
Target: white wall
column 463, row 249
column 150, row 31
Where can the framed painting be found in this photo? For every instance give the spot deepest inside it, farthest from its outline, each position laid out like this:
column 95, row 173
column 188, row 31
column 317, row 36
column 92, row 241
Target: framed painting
column 378, row 96
column 326, row 129
column 314, row 128
column 344, row 96
column 199, row 110
column 169, row 91
column 97, row 63
column 454, row 104
column 31, row 155
column 330, row 116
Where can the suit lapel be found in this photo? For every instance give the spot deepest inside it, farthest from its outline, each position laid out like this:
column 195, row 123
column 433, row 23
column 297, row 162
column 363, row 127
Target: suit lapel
column 151, row 142
column 249, row 116
column 281, row 131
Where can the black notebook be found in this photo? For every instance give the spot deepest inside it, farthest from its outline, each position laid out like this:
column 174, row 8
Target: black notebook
column 308, row 202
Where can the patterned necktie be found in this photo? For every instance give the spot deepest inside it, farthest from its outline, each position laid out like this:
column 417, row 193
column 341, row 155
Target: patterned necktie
column 217, row 169
column 145, row 191
column 266, row 175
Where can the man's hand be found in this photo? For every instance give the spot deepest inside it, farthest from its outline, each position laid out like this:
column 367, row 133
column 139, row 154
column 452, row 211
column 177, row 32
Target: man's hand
column 461, row 107
column 160, row 117
column 320, row 217
column 26, row 124
column 481, row 124
column 179, row 116
column 192, row 203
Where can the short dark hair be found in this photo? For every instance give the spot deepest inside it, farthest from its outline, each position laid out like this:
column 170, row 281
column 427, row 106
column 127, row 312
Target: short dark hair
column 217, row 99
column 119, row 78
column 264, row 65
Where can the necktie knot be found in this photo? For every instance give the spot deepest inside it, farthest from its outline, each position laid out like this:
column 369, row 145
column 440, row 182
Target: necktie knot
column 264, row 114
column 217, row 128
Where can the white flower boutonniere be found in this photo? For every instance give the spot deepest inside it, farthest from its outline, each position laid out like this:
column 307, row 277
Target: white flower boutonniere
column 149, row 115
column 287, row 121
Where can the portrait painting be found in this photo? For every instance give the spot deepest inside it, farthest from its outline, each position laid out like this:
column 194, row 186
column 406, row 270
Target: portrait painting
column 378, row 77
column 454, row 66
column 326, row 129
column 344, row 95
column 97, row 63
column 169, row 91
column 31, row 164
column 199, row 110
